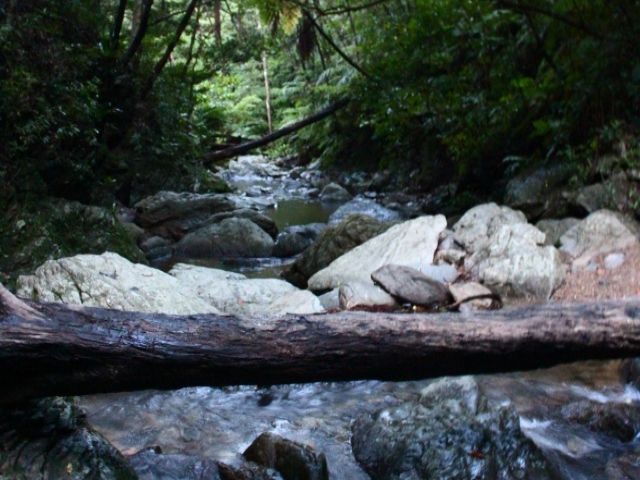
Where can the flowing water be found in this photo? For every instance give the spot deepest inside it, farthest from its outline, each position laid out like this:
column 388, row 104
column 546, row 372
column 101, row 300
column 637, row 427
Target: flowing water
column 220, row 423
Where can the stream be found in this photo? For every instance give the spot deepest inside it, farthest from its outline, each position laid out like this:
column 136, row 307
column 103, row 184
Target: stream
column 219, row 423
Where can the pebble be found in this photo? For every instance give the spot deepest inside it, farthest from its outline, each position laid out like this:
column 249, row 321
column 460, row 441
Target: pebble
column 613, row 260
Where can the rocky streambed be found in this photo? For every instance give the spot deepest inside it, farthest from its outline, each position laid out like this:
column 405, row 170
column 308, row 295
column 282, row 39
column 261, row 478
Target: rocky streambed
column 229, row 254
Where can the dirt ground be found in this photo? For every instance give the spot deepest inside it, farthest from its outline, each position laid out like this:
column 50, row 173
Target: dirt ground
column 603, row 283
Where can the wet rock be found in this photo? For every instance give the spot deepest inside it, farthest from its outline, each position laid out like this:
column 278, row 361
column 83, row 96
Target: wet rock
column 156, row 248
column 296, row 239
column 618, row 420
column 360, row 294
column 55, row 228
column 364, row 206
column 235, row 294
column 170, row 214
column 50, row 439
column 408, row 243
column 410, row 285
column 232, row 237
column 624, row 467
column 538, row 191
column 334, row 193
column 248, row 471
column 478, row 224
column 555, row 229
column 512, row 263
column 451, row 432
column 292, row 460
column 462, row 291
column 333, row 242
column 110, row 281
column 601, row 232
column 152, row 465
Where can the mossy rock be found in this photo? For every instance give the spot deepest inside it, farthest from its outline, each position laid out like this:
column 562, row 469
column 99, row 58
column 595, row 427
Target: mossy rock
column 50, row 438
column 55, row 228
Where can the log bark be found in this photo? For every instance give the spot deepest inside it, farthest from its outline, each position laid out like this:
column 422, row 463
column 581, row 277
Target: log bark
column 212, row 157
column 57, row 349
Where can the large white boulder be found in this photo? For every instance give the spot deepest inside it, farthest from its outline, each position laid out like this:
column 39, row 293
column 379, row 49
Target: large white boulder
column 409, row 243
column 235, row 294
column 513, row 263
column 481, row 222
column 111, row 281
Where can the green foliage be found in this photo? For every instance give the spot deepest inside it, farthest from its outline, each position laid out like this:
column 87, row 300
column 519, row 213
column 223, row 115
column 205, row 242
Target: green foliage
column 460, row 86
column 455, row 91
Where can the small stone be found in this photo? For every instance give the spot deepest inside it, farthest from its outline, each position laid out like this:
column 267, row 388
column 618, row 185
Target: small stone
column 330, row 300
column 463, row 291
column 360, row 294
column 411, row 285
column 613, row 260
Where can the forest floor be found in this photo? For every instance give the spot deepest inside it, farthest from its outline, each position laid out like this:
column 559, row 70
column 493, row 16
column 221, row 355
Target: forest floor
column 603, row 283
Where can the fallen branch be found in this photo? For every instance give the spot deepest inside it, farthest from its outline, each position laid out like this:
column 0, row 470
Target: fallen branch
column 267, row 139
column 57, row 349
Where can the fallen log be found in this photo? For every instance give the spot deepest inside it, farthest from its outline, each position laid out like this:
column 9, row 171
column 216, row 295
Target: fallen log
column 245, row 147
column 56, row 349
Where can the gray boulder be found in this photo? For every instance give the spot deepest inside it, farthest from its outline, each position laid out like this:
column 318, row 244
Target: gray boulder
column 360, row 294
column 538, row 192
column 333, row 242
column 611, row 193
column 171, row 214
column 232, row 237
column 408, row 243
column 555, row 229
column 451, row 432
column 264, row 222
column 296, row 239
column 411, row 285
column 513, row 263
column 364, row 206
column 479, row 223
column 156, row 249
column 334, row 193
column 602, row 231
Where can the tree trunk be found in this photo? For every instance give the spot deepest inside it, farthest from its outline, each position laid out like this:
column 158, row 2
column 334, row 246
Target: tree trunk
column 141, row 21
column 217, row 21
column 212, row 157
column 267, row 90
column 160, row 64
column 56, row 349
